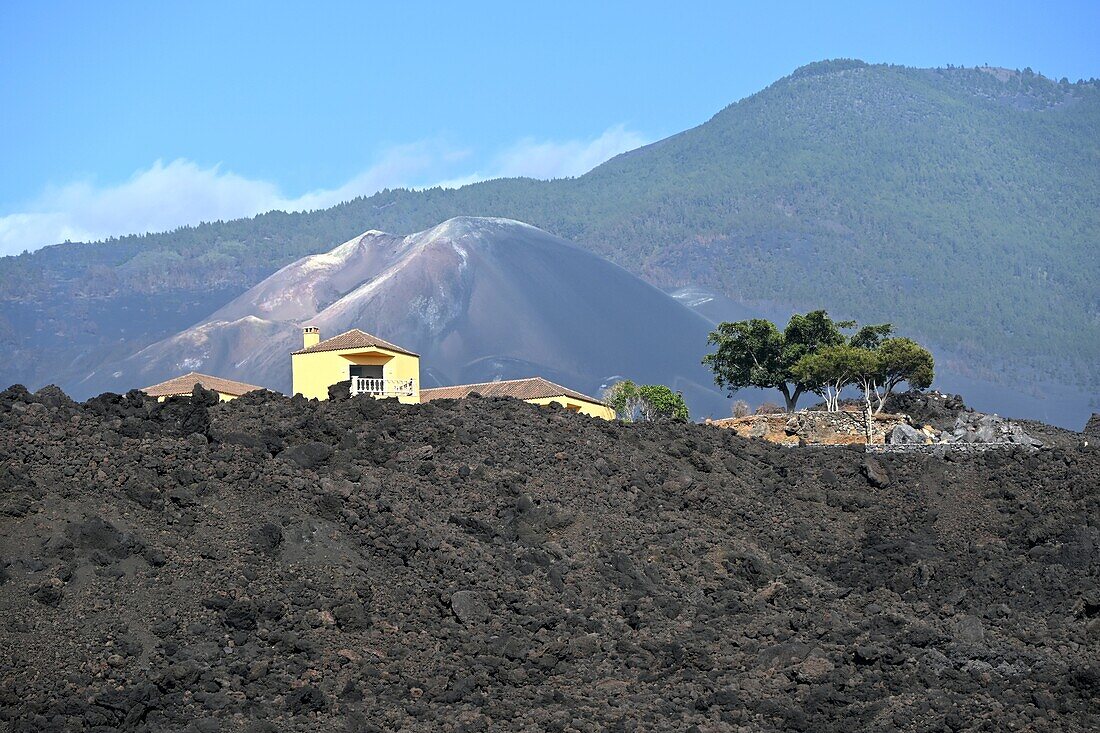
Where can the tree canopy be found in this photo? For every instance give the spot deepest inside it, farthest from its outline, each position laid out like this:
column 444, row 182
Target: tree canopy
column 875, row 365
column 755, row 353
column 812, row 354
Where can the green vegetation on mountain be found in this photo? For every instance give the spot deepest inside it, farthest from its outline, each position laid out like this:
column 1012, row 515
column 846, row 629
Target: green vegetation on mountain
column 959, row 204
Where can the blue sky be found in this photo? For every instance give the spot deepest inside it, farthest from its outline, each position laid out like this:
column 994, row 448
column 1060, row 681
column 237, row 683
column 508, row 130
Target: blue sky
column 129, row 117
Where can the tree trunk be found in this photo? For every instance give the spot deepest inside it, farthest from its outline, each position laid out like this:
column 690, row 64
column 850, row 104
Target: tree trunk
column 788, row 398
column 888, row 389
column 867, row 412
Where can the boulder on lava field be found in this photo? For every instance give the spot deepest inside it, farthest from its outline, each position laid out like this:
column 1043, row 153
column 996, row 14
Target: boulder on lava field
column 876, row 475
column 903, row 434
column 52, row 396
column 927, row 407
column 340, row 390
column 307, row 455
column 469, row 607
column 975, row 427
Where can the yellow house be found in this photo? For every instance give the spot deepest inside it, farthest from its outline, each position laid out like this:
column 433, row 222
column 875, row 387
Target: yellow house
column 374, row 366
column 227, row 389
column 536, row 390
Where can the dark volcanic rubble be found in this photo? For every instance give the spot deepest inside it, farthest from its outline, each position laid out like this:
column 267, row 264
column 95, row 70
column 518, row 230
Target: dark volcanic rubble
column 275, row 564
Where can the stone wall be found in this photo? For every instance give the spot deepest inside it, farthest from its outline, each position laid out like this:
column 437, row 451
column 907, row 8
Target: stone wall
column 812, row 427
column 941, row 449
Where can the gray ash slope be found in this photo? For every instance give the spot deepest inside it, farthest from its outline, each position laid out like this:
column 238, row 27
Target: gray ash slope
column 478, row 298
column 278, row 564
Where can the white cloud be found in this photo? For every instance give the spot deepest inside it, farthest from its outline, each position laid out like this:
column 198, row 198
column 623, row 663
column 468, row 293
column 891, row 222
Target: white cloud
column 399, row 166
column 549, row 159
column 162, row 197
column 181, row 192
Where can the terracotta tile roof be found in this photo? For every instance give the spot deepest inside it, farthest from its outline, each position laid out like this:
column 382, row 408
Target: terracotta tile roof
column 523, row 389
column 354, row 339
column 184, row 384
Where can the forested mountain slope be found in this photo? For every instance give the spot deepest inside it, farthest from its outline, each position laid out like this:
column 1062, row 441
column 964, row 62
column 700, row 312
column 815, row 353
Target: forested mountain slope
column 960, row 204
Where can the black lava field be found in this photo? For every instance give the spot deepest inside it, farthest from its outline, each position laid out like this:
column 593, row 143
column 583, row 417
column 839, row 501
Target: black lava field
column 274, row 564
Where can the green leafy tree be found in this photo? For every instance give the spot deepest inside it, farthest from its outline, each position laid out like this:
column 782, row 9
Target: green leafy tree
column 902, row 360
column 623, row 398
column 806, row 334
column 646, row 402
column 876, row 370
column 755, row 353
column 658, row 402
column 870, row 337
column 831, row 370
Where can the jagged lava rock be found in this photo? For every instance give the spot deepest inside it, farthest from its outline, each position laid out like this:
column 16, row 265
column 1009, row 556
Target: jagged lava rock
column 906, row 435
column 277, row 564
column 976, row 427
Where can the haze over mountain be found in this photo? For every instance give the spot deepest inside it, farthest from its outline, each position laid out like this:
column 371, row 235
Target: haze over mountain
column 959, row 204
column 477, row 298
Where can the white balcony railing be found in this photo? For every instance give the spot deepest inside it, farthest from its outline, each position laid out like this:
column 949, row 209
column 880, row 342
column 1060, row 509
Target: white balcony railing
column 382, row 387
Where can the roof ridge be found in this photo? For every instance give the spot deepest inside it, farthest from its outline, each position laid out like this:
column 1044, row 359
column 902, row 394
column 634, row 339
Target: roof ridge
column 551, row 389
column 184, row 383
column 498, row 381
column 333, row 343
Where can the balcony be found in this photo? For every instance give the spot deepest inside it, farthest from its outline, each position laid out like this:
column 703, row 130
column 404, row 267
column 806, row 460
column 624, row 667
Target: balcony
column 376, row 387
